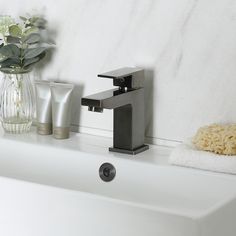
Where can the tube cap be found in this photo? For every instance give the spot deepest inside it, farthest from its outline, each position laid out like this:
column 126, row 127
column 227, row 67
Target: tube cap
column 61, row 132
column 44, row 128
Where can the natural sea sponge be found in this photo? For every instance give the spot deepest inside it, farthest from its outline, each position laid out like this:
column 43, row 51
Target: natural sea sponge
column 220, row 139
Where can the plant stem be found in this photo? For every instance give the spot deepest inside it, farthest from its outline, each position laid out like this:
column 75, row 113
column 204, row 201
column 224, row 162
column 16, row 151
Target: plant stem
column 18, row 92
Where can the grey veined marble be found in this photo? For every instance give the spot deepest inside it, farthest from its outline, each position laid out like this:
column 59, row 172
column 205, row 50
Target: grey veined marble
column 187, row 47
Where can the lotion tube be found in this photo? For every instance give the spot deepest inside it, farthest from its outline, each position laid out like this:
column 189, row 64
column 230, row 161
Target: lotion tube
column 43, row 107
column 61, row 109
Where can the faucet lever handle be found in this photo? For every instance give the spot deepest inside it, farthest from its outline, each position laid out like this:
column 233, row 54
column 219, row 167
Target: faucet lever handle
column 130, row 77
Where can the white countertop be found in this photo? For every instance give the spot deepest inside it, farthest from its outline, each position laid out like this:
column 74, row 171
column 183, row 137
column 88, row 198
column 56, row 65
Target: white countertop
column 90, row 144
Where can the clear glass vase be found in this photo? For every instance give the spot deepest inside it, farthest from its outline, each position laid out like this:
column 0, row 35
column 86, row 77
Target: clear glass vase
column 17, row 102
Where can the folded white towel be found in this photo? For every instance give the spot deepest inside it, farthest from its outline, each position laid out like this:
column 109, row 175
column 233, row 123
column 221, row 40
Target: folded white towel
column 187, row 155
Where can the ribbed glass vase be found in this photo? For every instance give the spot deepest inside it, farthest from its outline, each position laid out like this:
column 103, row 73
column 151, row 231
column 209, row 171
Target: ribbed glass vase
column 17, row 102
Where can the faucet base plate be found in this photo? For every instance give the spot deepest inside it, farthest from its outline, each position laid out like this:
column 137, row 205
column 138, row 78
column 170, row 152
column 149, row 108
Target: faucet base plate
column 131, row 152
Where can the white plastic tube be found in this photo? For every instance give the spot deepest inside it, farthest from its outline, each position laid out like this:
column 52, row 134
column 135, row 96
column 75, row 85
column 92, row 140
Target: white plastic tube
column 43, row 107
column 61, row 109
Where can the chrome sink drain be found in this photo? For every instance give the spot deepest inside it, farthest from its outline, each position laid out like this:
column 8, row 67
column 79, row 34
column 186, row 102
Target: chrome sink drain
column 107, row 172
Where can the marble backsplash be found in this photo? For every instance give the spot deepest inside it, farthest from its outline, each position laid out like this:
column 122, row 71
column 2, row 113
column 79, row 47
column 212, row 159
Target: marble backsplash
column 187, row 47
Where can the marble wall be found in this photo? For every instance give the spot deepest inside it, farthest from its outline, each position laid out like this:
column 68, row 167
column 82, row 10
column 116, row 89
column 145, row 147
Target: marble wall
column 188, row 48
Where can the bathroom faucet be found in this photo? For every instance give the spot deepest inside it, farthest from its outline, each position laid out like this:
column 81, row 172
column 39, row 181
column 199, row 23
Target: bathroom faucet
column 127, row 102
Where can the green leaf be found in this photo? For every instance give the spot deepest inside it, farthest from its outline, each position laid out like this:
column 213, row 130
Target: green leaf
column 42, row 55
column 15, row 30
column 5, row 22
column 33, row 19
column 11, row 39
column 6, row 70
column 32, row 38
column 40, row 23
column 10, row 62
column 10, row 50
column 36, row 21
column 23, row 18
column 31, row 61
column 34, row 52
column 2, row 58
column 31, row 30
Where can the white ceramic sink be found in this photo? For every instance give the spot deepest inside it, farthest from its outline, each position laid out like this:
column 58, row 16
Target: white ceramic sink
column 50, row 187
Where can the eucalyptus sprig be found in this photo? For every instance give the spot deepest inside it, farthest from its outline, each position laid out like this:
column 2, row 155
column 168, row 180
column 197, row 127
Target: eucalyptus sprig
column 21, row 44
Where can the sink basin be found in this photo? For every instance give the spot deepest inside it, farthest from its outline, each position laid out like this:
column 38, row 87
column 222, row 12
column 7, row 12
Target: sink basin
column 52, row 187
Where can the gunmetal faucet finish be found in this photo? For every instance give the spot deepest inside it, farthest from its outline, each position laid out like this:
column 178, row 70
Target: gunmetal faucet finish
column 127, row 102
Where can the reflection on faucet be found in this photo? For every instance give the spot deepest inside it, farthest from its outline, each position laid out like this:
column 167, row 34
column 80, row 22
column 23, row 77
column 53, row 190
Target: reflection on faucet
column 127, row 101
